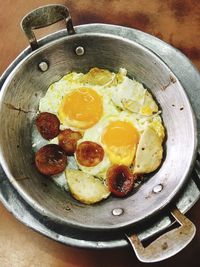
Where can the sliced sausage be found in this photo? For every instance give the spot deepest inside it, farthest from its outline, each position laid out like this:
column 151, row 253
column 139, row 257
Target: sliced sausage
column 120, row 180
column 48, row 125
column 50, row 160
column 68, row 140
column 89, row 153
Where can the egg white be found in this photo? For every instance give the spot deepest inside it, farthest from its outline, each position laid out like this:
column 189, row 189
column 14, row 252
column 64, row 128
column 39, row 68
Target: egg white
column 52, row 99
column 123, row 99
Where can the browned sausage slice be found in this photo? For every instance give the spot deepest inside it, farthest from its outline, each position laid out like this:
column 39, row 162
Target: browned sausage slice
column 89, row 153
column 120, row 180
column 68, row 140
column 48, row 125
column 51, row 159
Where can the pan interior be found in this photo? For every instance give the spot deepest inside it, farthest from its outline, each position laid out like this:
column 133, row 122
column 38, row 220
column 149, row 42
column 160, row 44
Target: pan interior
column 20, row 96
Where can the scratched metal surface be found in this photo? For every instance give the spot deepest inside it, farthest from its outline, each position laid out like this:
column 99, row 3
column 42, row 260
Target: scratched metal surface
column 190, row 194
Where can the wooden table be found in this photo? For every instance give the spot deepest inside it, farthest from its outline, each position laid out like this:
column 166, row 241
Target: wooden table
column 174, row 21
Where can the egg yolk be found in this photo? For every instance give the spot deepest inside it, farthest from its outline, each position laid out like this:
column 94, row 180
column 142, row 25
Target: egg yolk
column 81, row 108
column 120, row 139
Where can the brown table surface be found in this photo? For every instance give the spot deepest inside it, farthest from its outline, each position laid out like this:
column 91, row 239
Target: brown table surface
column 174, row 21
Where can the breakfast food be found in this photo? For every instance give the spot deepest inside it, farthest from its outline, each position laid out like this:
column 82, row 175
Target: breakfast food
column 149, row 152
column 48, row 125
column 85, row 187
column 109, row 128
column 50, row 159
column 67, row 139
column 120, row 180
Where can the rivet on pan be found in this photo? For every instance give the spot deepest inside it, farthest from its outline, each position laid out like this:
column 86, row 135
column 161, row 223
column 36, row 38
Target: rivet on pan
column 117, row 212
column 158, row 188
column 79, row 50
column 43, row 66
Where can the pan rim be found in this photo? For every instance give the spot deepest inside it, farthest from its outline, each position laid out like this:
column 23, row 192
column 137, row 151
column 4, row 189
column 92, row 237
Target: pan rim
column 108, row 227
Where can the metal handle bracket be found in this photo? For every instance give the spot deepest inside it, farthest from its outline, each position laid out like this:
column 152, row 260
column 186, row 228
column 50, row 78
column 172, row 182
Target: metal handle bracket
column 166, row 245
column 43, row 17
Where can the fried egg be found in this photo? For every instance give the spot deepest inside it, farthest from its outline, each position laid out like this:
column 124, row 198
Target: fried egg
column 111, row 110
column 78, row 105
column 81, row 108
column 120, row 139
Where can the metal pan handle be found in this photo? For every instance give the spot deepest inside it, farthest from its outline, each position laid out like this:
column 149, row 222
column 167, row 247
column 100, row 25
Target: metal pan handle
column 45, row 16
column 166, row 245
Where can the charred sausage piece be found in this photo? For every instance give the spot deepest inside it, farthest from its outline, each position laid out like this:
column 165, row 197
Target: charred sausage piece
column 89, row 153
column 48, row 125
column 120, row 180
column 68, row 140
column 50, row 160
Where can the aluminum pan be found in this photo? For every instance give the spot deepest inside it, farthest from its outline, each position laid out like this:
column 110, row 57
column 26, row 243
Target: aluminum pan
column 179, row 65
column 26, row 84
